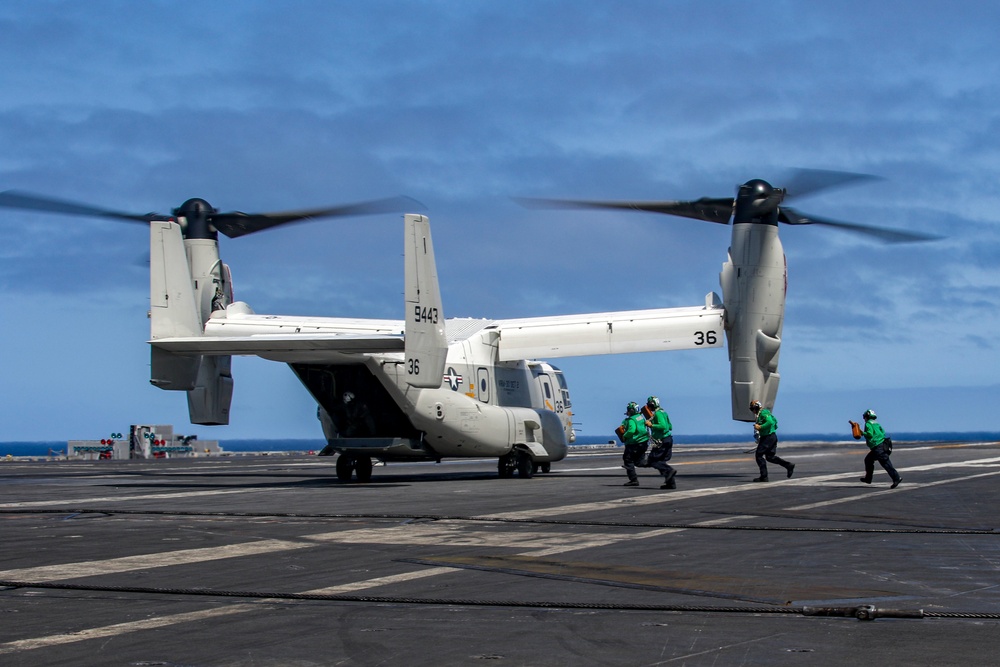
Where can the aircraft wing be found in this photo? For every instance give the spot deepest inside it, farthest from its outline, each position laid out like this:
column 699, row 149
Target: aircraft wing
column 618, row 332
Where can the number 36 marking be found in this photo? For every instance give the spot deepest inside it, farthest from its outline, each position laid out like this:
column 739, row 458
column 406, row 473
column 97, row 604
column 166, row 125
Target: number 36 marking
column 705, row 337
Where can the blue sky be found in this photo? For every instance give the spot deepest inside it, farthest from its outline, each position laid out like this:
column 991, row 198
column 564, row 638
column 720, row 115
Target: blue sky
column 265, row 106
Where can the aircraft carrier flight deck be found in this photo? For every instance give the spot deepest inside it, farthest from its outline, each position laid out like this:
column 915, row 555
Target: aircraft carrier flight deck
column 271, row 560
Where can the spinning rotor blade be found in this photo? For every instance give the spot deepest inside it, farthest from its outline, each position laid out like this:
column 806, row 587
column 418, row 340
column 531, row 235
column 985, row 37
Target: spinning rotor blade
column 198, row 212
column 756, row 201
column 792, row 217
column 28, row 201
column 707, row 209
column 237, row 223
column 803, row 182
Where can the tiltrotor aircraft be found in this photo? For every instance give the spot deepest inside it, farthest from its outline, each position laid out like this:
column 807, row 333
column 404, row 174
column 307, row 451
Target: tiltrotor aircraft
column 425, row 387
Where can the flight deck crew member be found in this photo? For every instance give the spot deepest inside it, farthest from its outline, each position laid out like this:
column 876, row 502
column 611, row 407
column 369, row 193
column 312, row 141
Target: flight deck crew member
column 660, row 434
column 766, row 428
column 875, row 439
column 355, row 419
column 636, row 439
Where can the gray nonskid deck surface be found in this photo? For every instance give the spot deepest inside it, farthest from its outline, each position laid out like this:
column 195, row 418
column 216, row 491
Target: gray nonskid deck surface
column 273, row 561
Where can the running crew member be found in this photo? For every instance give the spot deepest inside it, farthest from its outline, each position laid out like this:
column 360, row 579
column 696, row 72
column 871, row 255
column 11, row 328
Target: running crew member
column 878, row 448
column 660, row 433
column 765, row 428
column 636, row 439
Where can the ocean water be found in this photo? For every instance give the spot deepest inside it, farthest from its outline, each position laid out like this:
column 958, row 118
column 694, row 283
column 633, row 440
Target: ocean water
column 55, row 447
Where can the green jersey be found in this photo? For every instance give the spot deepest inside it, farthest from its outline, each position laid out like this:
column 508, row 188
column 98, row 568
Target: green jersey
column 660, row 425
column 768, row 424
column 874, row 434
column 635, row 430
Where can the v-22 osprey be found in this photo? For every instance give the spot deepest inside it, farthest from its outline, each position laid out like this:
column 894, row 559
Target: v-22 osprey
column 426, row 387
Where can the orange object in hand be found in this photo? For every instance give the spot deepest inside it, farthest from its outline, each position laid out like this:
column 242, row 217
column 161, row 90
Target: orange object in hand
column 620, row 432
column 856, row 430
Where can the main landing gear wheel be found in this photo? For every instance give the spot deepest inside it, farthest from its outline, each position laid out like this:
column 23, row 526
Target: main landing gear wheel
column 519, row 462
column 345, row 466
column 359, row 465
column 525, row 466
column 506, row 465
column 363, row 468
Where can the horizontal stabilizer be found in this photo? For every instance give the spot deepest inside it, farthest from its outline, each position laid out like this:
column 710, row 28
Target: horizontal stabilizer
column 289, row 348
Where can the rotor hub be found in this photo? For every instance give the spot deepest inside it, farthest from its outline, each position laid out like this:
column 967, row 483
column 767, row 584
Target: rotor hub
column 757, row 202
column 197, row 214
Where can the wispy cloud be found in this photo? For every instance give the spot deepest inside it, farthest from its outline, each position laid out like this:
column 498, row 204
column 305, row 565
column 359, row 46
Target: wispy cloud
column 261, row 106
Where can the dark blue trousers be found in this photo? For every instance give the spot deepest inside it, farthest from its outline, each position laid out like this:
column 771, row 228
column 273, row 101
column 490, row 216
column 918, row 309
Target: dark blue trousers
column 767, row 451
column 879, row 454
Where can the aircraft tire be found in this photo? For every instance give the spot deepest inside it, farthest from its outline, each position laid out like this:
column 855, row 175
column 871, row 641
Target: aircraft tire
column 345, row 466
column 363, row 468
column 506, row 466
column 525, row 466
column 546, row 467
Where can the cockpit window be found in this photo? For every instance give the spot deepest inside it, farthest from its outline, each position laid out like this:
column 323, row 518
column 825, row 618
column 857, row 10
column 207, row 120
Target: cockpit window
column 564, row 388
column 562, row 380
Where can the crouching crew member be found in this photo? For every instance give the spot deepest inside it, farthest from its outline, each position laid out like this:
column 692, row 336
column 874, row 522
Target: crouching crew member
column 636, row 438
column 879, row 447
column 660, row 434
column 765, row 428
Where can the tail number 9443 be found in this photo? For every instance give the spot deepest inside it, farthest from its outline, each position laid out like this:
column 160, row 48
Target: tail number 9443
column 425, row 314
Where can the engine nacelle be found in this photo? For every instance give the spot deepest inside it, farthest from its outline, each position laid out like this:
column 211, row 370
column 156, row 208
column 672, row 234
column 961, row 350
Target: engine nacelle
column 753, row 282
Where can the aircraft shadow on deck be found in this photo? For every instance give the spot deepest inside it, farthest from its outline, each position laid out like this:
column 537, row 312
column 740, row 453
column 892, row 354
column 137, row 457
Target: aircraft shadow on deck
column 326, row 480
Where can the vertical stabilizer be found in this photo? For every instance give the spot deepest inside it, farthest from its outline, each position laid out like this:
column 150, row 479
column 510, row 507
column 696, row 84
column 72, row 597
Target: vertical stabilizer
column 426, row 344
column 172, row 309
column 180, row 299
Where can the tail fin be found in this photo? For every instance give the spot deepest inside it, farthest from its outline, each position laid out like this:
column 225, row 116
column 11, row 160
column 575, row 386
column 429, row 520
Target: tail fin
column 178, row 307
column 426, row 346
column 172, row 309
